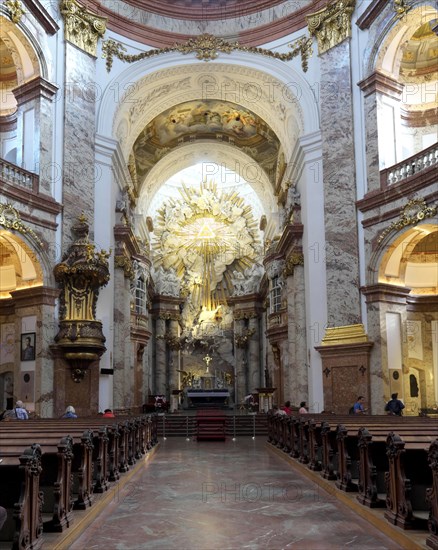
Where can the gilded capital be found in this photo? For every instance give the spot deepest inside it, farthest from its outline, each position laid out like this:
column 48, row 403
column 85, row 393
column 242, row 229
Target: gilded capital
column 82, row 27
column 332, row 24
column 291, row 262
column 15, row 9
column 126, row 264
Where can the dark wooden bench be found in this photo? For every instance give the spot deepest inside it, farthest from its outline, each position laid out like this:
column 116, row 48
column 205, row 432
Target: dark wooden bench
column 19, row 479
column 396, row 471
column 408, row 480
column 75, row 462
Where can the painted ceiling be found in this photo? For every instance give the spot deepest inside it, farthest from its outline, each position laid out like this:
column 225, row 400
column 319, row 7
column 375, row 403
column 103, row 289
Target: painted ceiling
column 219, row 121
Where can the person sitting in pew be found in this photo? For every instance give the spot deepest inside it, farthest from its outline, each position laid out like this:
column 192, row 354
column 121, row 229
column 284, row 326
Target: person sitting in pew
column 394, row 405
column 358, row 407
column 70, row 412
column 18, row 413
column 108, row 413
column 303, row 409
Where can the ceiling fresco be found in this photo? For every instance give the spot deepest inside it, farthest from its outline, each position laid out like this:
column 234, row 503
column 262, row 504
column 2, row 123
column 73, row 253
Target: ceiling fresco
column 420, row 53
column 220, row 121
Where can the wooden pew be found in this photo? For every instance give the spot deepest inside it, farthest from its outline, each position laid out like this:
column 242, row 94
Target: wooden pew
column 407, row 481
column 81, row 461
column 19, row 478
column 432, row 497
column 374, row 460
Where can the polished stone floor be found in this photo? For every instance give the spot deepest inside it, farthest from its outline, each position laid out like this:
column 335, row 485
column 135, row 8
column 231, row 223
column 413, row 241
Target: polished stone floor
column 225, row 495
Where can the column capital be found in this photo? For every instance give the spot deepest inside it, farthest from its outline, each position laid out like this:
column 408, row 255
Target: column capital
column 378, row 82
column 332, row 24
column 82, row 27
column 382, row 292
column 36, row 88
column 35, row 296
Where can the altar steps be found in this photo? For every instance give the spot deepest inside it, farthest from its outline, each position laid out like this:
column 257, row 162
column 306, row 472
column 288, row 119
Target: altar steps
column 210, row 425
column 236, row 425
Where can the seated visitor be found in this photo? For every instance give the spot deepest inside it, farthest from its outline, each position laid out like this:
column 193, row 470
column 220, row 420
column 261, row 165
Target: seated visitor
column 18, row 413
column 358, row 407
column 108, row 413
column 70, row 412
column 286, row 408
column 394, row 405
column 302, row 409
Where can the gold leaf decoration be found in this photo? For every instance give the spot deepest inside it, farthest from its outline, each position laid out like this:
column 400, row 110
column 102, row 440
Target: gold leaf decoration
column 207, row 47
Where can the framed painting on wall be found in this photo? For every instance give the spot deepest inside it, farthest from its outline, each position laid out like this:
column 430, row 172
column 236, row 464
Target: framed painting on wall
column 28, row 346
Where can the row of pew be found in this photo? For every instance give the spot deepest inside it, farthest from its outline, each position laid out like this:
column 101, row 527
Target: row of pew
column 390, row 462
column 51, row 467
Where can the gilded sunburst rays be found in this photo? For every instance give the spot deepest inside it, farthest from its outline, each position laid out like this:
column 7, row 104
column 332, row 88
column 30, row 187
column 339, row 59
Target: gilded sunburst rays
column 201, row 235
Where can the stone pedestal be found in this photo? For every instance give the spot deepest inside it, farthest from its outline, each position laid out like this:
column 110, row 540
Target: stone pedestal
column 346, row 373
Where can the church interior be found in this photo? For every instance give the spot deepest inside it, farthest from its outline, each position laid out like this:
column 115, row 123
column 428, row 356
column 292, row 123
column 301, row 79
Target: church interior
column 224, row 203
column 218, row 196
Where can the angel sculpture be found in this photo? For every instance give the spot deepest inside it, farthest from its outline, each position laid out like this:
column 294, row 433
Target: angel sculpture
column 186, row 379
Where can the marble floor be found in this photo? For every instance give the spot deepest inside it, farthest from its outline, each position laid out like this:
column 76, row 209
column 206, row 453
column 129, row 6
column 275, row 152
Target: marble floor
column 225, row 495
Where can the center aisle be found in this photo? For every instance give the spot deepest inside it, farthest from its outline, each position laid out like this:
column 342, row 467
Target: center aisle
column 232, row 495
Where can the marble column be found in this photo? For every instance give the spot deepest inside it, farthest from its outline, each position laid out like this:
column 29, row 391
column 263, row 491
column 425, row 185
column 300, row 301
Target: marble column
column 34, row 308
column 254, row 364
column 79, row 171
column 341, row 250
column 174, row 355
column 383, row 299
column 296, row 382
column 241, row 364
column 123, row 358
column 160, row 357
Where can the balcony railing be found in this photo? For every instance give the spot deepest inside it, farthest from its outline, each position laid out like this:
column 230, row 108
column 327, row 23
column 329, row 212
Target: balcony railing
column 14, row 175
column 410, row 167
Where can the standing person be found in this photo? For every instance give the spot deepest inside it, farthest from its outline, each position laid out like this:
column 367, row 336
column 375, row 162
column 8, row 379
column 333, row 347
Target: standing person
column 70, row 412
column 394, row 405
column 358, row 407
column 303, row 409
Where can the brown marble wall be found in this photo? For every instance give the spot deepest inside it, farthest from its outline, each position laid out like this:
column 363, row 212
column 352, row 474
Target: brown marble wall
column 79, row 175
column 84, row 395
column 341, row 254
column 346, row 375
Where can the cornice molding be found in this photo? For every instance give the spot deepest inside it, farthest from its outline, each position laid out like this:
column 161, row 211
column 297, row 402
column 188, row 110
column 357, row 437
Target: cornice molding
column 42, row 16
column 383, row 292
column 36, row 296
column 370, row 14
column 34, row 89
column 378, row 82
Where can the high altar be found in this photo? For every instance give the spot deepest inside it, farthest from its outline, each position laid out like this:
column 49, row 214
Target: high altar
column 207, row 390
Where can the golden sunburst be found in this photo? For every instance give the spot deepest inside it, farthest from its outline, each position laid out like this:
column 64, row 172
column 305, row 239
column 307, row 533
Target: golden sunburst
column 204, row 234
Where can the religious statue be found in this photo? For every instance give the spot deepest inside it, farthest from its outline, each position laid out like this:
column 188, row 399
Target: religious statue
column 253, row 276
column 238, row 280
column 167, row 281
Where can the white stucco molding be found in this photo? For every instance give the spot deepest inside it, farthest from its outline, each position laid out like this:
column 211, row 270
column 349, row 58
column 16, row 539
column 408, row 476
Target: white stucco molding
column 286, row 96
